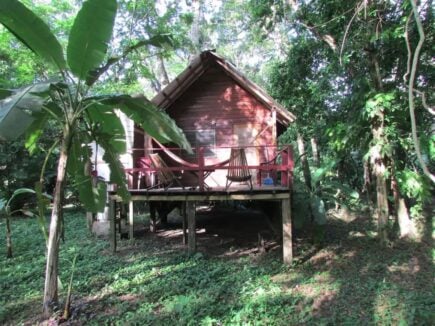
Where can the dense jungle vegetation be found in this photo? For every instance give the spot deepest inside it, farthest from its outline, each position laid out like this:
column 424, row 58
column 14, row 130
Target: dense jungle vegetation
column 357, row 74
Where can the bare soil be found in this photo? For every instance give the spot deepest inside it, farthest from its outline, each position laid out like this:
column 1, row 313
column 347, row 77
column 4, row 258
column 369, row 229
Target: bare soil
column 230, row 232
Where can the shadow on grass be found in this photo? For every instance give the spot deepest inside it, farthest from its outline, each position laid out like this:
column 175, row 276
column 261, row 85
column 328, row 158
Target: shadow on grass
column 152, row 281
column 355, row 281
column 351, row 280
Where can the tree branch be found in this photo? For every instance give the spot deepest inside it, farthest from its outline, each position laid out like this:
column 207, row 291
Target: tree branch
column 96, row 73
column 358, row 9
column 411, row 82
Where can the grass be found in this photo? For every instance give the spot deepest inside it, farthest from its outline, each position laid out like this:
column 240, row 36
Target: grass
column 152, row 281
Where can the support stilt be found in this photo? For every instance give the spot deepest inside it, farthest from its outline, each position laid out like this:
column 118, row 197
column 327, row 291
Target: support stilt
column 191, row 224
column 131, row 220
column 89, row 220
column 184, row 216
column 112, row 225
column 153, row 220
column 287, row 246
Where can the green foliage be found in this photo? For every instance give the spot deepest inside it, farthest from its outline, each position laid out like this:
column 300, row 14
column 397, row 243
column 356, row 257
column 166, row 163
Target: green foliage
column 22, row 170
column 318, row 210
column 301, row 206
column 157, row 123
column 431, row 147
column 105, row 121
column 93, row 196
column 324, row 171
column 380, row 103
column 90, row 35
column 43, row 200
column 5, row 203
column 32, row 31
column 117, row 175
column 307, row 203
column 153, row 282
column 342, row 76
column 19, row 108
column 67, row 102
column 414, row 185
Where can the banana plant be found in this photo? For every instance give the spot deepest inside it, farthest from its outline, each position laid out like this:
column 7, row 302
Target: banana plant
column 81, row 116
column 7, row 212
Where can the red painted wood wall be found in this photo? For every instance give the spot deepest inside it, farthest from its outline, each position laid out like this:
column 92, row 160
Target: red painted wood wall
column 216, row 101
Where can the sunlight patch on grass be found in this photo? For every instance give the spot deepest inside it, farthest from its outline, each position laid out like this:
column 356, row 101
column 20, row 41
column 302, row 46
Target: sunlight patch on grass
column 153, row 282
column 356, row 234
column 389, row 309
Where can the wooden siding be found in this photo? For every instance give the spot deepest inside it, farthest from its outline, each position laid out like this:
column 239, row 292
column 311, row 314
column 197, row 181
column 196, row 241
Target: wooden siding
column 216, row 101
column 198, row 66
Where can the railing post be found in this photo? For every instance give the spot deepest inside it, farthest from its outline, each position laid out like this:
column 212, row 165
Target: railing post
column 200, row 151
column 290, row 166
column 260, row 165
column 284, row 171
column 287, row 167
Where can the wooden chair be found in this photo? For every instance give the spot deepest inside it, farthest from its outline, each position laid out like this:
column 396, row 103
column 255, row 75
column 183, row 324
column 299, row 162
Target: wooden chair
column 271, row 175
column 166, row 177
column 144, row 178
column 238, row 171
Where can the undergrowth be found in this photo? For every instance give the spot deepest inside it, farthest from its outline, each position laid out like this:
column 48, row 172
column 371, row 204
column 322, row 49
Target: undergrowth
column 350, row 281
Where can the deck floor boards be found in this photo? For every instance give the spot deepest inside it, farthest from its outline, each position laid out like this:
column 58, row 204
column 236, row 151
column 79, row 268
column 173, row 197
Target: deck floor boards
column 215, row 193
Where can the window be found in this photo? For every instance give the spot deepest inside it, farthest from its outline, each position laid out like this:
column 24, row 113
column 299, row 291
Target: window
column 203, row 137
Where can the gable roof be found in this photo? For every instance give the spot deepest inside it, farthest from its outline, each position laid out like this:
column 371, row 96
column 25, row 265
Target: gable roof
column 198, row 66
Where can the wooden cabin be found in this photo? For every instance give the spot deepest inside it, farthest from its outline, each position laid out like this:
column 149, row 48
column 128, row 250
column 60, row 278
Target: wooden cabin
column 233, row 126
column 218, row 109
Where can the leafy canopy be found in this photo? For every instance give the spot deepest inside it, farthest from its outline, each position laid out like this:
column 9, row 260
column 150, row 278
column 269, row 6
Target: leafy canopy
column 81, row 117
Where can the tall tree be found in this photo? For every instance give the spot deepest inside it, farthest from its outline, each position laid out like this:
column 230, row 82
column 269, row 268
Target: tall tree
column 363, row 50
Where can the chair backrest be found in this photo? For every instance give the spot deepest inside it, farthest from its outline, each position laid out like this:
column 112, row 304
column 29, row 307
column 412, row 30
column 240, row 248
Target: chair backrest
column 238, row 170
column 143, row 162
column 165, row 176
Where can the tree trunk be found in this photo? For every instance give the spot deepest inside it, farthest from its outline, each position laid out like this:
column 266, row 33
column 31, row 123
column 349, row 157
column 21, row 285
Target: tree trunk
column 379, row 138
column 8, row 237
column 379, row 170
column 51, row 271
column 304, row 161
column 155, row 85
column 316, row 154
column 316, row 161
column 382, row 204
column 162, row 69
column 406, row 226
column 195, row 30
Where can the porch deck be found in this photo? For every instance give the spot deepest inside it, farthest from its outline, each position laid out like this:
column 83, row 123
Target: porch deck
column 211, row 194
column 270, row 168
column 270, row 180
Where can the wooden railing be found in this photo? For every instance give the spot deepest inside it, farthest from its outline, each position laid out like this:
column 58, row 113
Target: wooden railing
column 276, row 164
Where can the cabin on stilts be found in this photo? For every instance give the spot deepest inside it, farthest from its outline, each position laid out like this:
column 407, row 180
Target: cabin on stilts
column 233, row 126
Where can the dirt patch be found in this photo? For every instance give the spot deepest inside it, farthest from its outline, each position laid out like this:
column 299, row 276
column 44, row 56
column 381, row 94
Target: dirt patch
column 220, row 232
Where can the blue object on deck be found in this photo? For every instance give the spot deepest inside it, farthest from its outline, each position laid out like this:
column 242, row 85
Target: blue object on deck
column 268, row 181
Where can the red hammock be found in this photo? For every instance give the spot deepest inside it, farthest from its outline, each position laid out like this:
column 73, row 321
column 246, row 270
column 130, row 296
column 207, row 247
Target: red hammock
column 178, row 159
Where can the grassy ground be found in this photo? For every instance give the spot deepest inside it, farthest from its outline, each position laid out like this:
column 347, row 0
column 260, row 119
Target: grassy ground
column 152, row 282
